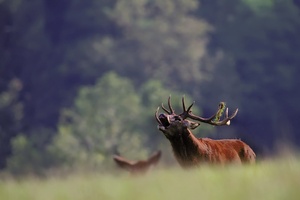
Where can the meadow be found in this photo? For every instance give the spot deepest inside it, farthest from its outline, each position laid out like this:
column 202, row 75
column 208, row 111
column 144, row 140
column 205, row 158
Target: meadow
column 270, row 179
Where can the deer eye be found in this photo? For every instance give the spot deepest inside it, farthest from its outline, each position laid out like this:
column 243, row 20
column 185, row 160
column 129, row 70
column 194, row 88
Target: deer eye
column 177, row 118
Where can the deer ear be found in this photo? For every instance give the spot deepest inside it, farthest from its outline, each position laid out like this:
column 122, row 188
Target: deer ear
column 190, row 124
column 194, row 125
column 122, row 162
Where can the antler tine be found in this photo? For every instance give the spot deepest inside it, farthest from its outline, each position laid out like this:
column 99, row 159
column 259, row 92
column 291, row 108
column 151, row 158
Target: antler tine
column 211, row 121
column 183, row 104
column 227, row 119
column 156, row 116
column 185, row 112
column 201, row 119
column 189, row 108
column 169, row 104
column 233, row 114
column 171, row 111
column 166, row 110
column 226, row 113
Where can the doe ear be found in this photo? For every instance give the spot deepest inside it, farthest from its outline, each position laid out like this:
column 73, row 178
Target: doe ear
column 122, row 162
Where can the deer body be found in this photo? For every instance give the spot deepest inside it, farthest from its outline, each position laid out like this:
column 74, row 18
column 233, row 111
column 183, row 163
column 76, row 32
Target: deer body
column 190, row 151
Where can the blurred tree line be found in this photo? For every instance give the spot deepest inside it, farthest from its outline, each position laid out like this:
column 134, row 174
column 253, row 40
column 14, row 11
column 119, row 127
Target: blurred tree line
column 81, row 80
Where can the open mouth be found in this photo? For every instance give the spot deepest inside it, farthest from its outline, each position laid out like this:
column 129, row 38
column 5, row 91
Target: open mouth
column 164, row 120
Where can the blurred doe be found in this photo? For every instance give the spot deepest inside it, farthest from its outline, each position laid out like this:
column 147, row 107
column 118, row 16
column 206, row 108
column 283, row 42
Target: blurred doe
column 190, row 151
column 140, row 166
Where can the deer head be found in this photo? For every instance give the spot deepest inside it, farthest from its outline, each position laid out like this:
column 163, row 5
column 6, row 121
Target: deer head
column 172, row 124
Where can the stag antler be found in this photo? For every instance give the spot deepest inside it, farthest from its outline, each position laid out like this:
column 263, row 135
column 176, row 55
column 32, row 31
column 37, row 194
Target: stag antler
column 171, row 112
column 188, row 114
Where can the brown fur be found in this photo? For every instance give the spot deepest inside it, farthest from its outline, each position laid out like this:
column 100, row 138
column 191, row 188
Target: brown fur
column 137, row 167
column 191, row 151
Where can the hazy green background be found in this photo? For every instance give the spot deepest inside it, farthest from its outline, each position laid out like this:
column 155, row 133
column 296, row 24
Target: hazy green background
column 81, row 80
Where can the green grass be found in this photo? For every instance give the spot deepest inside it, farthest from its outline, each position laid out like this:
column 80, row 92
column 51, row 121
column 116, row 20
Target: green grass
column 273, row 179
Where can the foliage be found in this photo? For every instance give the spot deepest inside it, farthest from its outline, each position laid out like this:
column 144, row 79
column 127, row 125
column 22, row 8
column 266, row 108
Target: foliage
column 11, row 114
column 103, row 122
column 28, row 156
column 222, row 107
column 242, row 52
column 265, row 180
column 160, row 39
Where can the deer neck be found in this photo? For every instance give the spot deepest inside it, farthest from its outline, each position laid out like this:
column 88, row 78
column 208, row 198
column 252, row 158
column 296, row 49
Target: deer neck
column 188, row 149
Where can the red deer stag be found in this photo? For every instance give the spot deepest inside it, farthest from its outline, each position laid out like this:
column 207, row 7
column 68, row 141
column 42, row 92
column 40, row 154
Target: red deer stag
column 190, row 151
column 138, row 167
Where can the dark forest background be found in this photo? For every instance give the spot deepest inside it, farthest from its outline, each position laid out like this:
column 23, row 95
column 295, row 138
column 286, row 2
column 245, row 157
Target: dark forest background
column 81, row 80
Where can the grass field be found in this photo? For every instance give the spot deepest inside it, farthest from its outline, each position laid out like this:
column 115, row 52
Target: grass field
column 272, row 179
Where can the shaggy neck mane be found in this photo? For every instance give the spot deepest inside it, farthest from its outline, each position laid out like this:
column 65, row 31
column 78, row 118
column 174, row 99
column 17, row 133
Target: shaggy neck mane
column 187, row 148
